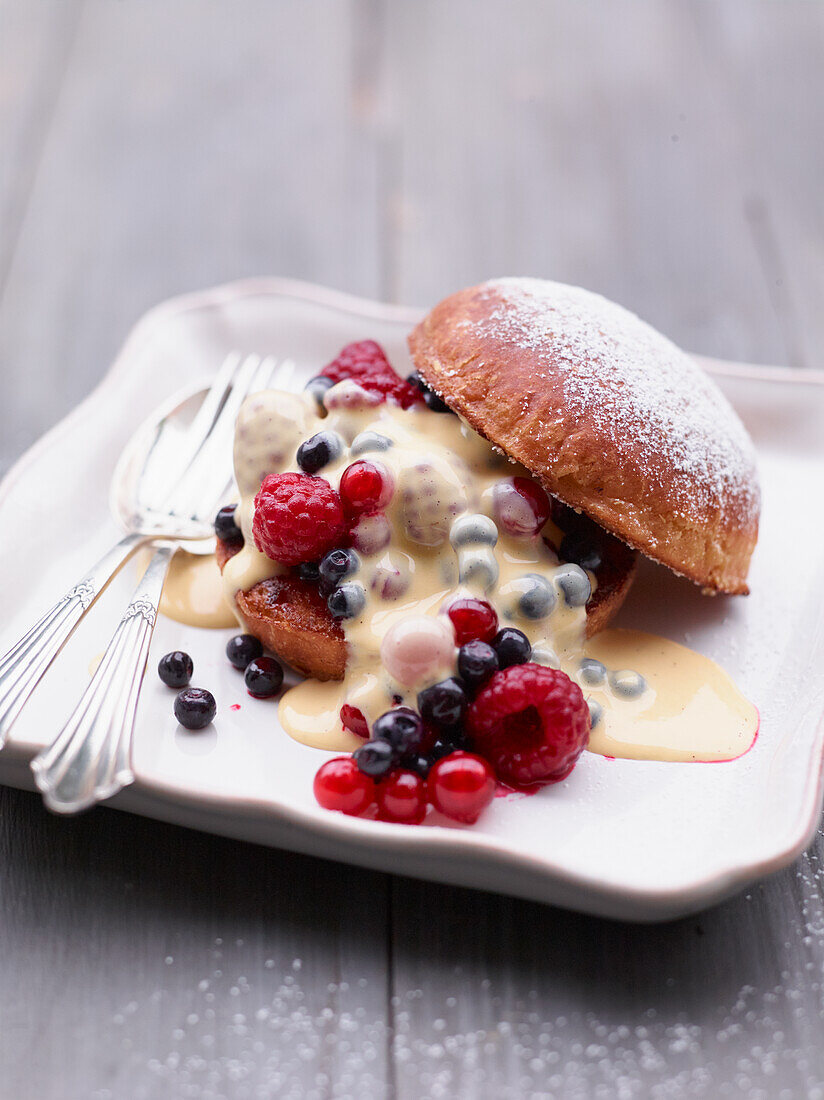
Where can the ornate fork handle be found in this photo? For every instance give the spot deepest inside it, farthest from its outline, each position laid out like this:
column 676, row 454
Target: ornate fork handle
column 91, row 758
column 22, row 668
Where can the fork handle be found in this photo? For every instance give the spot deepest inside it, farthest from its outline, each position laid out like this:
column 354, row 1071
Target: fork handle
column 91, row 758
column 24, row 665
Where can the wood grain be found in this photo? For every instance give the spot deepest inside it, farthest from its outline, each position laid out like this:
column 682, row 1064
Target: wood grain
column 668, row 154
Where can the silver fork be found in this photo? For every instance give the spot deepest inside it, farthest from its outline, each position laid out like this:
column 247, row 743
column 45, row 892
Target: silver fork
column 173, row 500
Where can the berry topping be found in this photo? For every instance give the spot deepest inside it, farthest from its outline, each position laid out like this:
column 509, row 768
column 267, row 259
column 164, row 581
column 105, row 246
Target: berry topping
column 449, row 742
column 341, row 785
column 477, row 661
column 521, row 506
column 318, row 386
column 353, row 720
column 243, row 648
column 226, row 528
column 195, row 708
column 369, row 441
column 402, row 798
column 512, row 647
column 473, row 619
column 461, row 786
column 474, row 529
column 297, row 518
column 435, row 403
column 531, row 723
column 365, row 363
column 417, row 763
column 335, row 567
column 365, row 488
column 417, row 649
column 375, row 758
column 318, row 451
column 371, row 534
column 444, row 704
column 577, row 547
column 401, row 728
column 573, row 584
column 309, row 571
column 263, row 677
column 175, row 669
column 536, row 596
column 347, row 602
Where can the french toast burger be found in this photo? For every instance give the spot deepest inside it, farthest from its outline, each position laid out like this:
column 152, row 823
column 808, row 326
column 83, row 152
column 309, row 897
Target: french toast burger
column 546, row 436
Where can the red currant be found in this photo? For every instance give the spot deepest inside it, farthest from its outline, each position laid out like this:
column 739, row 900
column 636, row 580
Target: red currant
column 341, row 785
column 365, row 488
column 473, row 619
column 521, row 506
column 402, row 798
column 353, row 720
column 461, row 785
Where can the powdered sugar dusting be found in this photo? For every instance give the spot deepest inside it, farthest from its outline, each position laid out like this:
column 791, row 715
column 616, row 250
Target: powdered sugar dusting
column 663, row 402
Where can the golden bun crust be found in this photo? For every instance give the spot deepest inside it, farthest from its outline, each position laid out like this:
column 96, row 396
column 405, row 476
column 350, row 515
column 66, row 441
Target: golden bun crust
column 610, row 416
column 292, row 620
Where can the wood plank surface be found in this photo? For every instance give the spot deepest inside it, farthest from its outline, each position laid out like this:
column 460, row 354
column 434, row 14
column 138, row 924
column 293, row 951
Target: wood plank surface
column 668, row 154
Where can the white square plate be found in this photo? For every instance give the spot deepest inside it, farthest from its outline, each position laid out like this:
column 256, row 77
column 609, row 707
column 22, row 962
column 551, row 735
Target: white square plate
column 621, row 838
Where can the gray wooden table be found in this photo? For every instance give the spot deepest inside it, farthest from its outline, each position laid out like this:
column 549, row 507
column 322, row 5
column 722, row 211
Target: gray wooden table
column 670, row 155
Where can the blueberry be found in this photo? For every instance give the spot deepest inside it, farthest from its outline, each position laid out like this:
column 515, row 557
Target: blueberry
column 595, row 712
column 347, row 602
column 401, row 728
column 375, row 758
column 478, row 566
column 434, row 403
column 418, row 764
column 263, row 677
column 175, row 669
column 225, row 527
column 318, row 386
column 593, row 672
column 318, row 451
column 512, row 647
column 473, row 530
column 452, row 741
column 627, row 684
column 537, row 598
column 574, row 585
column 309, row 571
column 543, row 655
column 430, row 397
column 444, row 704
column 369, row 441
column 195, row 708
column 243, row 648
column 335, row 567
column 577, row 547
column 476, row 663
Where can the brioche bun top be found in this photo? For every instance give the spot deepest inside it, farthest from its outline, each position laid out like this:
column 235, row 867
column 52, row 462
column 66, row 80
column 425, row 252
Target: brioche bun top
column 609, row 415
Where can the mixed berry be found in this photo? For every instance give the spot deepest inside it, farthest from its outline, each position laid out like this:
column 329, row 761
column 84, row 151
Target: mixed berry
column 469, row 704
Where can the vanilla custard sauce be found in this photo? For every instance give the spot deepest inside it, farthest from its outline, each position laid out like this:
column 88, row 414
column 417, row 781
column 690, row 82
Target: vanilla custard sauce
column 649, row 698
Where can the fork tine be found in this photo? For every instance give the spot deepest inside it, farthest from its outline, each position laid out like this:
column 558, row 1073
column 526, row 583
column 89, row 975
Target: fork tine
column 238, row 381
column 210, row 472
column 211, row 494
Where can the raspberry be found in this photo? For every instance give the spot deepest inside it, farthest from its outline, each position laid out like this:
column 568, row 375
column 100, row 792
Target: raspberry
column 297, row 518
column 365, row 362
column 473, row 620
column 340, row 785
column 531, row 723
column 353, row 720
